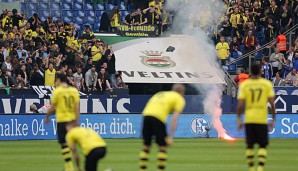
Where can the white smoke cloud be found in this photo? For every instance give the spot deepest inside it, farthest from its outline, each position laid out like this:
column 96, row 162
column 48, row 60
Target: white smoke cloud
column 192, row 18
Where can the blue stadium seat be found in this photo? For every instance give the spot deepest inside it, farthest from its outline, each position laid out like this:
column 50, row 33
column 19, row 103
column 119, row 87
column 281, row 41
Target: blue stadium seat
column 78, row 20
column 30, row 13
column 78, row 1
column 77, row 7
column 31, row 6
column 54, row 6
column 96, row 27
column 232, row 68
column 67, row 13
column 32, row 1
column 99, row 7
column 121, row 7
column 43, row 1
column 97, row 19
column 43, row 6
column 23, row 7
column 99, row 13
column 8, row 1
column 89, row 20
column 56, row 13
column 55, row 1
column 109, row 7
column 88, row 7
column 66, row 6
column 78, row 27
column 67, row 19
column 23, row 1
column 56, row 18
column 79, row 14
column 67, row 1
column 90, row 14
column 124, row 13
column 44, row 13
column 42, row 19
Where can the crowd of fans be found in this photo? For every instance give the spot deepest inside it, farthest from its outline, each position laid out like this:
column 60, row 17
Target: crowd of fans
column 32, row 51
column 249, row 24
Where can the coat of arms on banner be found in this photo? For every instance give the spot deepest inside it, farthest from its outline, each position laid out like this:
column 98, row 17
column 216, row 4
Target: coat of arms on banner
column 156, row 60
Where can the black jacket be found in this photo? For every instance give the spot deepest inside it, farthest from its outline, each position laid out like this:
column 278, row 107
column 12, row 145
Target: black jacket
column 37, row 79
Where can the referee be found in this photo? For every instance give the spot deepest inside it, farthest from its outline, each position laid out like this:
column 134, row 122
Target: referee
column 255, row 93
column 155, row 114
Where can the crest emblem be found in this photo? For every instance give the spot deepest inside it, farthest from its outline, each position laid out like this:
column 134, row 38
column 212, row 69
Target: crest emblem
column 155, row 59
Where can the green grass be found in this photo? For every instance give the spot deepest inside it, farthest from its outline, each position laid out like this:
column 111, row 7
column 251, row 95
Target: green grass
column 184, row 155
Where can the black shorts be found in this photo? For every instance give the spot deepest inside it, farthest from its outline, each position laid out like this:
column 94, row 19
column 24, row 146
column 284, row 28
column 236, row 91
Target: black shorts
column 61, row 132
column 153, row 127
column 256, row 134
column 93, row 157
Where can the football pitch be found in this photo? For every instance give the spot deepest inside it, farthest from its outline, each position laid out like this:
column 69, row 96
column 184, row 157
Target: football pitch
column 184, row 155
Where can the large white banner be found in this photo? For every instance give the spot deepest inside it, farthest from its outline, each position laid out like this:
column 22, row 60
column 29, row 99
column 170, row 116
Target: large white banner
column 146, row 60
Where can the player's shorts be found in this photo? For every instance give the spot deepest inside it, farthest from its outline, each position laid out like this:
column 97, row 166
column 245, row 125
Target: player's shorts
column 256, row 134
column 93, row 157
column 61, row 132
column 152, row 127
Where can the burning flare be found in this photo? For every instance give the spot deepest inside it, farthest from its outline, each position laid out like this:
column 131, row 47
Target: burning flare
column 227, row 137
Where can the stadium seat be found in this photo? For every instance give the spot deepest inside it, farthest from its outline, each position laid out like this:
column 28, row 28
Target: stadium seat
column 88, row 7
column 78, row 27
column 97, row 19
column 30, row 13
column 55, row 1
column 99, row 7
column 23, row 1
column 31, row 6
column 43, row 6
column 67, row 1
column 88, row 1
column 78, row 1
column 42, row 19
column 109, row 7
column 67, row 13
column 56, row 18
column 54, row 6
column 90, row 14
column 67, row 19
column 44, row 13
column 89, row 20
column 96, row 27
column 43, row 1
column 8, row 1
column 124, row 13
column 78, row 20
column 122, row 7
column 56, row 13
column 23, row 7
column 232, row 68
column 77, row 7
column 79, row 14
column 32, row 1
column 98, row 13
column 66, row 6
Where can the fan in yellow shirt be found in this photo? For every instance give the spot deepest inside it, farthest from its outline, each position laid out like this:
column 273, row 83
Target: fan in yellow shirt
column 97, row 51
column 91, row 144
column 223, row 50
column 156, row 114
column 254, row 94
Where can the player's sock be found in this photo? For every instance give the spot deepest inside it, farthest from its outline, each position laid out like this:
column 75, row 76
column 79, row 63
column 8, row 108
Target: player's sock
column 68, row 165
column 162, row 160
column 250, row 158
column 144, row 158
column 262, row 155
